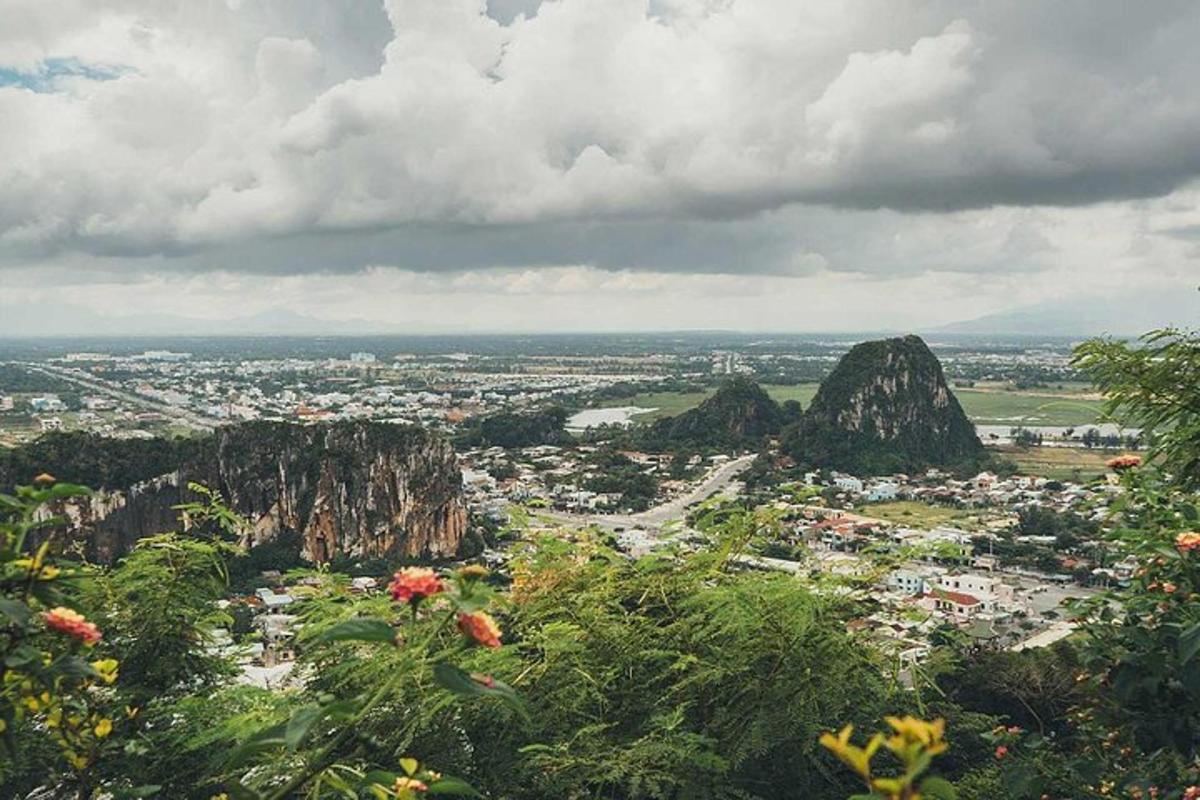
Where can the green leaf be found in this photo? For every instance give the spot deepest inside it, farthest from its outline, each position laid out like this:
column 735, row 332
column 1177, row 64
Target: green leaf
column 60, row 490
column 381, row 777
column 1189, row 643
column 15, row 610
column 299, row 726
column 261, row 742
column 363, row 629
column 938, row 788
column 74, row 667
column 453, row 786
column 460, row 681
column 137, row 791
column 22, row 657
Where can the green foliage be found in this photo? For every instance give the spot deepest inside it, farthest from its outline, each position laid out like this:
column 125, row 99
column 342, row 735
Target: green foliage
column 1156, row 387
column 157, row 607
column 518, row 429
column 660, row 679
column 94, row 460
column 739, row 414
column 53, row 694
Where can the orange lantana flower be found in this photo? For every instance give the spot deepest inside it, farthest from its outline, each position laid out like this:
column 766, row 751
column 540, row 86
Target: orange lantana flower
column 414, row 584
column 72, row 623
column 1188, row 541
column 481, row 627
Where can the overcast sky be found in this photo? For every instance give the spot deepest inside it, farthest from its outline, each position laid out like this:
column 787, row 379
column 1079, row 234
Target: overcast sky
column 599, row 164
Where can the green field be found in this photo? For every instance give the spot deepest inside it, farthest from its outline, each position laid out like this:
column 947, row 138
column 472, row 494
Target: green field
column 1058, row 463
column 1027, row 408
column 983, row 406
column 919, row 515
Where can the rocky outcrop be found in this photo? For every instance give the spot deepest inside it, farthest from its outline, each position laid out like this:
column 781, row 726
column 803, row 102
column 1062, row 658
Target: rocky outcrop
column 886, row 407
column 361, row 489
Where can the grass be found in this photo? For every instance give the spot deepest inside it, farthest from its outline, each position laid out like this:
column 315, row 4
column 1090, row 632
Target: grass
column 1068, row 407
column 1027, row 408
column 1058, row 463
column 917, row 515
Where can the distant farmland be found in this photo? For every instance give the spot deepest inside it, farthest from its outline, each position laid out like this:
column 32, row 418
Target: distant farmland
column 983, row 406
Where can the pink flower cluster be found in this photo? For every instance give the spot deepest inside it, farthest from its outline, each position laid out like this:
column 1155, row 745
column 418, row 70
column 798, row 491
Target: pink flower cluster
column 414, row 584
column 72, row 623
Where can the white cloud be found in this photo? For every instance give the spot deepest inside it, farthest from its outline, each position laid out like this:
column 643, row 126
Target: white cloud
column 812, row 144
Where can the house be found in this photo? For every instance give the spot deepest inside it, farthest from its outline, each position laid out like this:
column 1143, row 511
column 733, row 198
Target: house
column 984, row 481
column 978, row 585
column 272, row 601
column 882, row 492
column 906, row 581
column 960, row 604
column 849, row 483
column 49, row 402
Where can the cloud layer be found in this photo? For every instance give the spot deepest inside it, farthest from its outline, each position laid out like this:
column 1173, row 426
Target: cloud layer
column 734, row 137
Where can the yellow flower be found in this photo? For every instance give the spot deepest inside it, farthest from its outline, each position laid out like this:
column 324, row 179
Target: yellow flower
column 107, row 669
column 910, row 730
column 857, row 758
column 473, row 572
column 103, row 728
column 80, row 761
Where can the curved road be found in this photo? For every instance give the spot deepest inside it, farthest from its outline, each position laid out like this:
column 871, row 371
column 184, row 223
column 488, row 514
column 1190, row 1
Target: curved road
column 653, row 518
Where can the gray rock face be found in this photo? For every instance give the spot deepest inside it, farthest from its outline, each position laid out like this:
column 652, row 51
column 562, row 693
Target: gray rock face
column 885, row 407
column 360, row 489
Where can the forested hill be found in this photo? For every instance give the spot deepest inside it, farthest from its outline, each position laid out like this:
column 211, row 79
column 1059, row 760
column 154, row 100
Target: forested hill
column 886, row 407
column 739, row 414
column 518, row 429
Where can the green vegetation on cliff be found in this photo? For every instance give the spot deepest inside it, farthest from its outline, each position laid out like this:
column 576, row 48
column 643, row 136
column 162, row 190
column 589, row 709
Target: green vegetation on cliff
column 739, row 414
column 510, row 429
column 886, row 407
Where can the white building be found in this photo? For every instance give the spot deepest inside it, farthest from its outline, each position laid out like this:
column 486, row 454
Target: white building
column 883, row 492
column 49, row 402
column 849, row 483
column 906, row 581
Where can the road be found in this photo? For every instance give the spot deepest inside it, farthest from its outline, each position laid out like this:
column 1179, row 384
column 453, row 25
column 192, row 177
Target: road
column 100, row 387
column 653, row 518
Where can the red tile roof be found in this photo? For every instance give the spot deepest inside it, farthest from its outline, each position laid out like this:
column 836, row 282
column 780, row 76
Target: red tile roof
column 961, row 598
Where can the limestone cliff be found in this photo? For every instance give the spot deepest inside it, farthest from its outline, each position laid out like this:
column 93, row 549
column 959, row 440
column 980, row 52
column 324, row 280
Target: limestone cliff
column 885, row 407
column 355, row 488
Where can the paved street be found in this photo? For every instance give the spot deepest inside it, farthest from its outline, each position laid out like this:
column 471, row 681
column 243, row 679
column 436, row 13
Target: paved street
column 716, row 480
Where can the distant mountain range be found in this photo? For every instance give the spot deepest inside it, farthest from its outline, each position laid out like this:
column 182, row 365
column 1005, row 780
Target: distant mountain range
column 1136, row 312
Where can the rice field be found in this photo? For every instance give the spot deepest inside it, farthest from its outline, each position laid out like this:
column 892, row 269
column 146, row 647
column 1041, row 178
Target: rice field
column 982, row 406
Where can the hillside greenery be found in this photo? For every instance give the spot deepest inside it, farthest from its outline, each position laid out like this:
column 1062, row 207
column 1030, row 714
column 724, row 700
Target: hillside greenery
column 739, row 415
column 514, row 429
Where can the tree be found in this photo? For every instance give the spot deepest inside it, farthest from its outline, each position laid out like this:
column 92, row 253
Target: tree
column 1156, row 387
